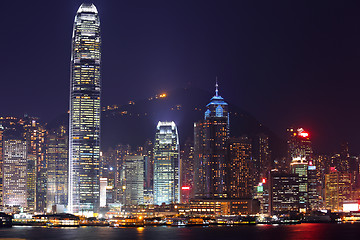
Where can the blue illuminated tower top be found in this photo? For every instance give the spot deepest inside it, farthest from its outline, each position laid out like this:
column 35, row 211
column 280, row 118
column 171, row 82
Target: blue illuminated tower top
column 217, row 107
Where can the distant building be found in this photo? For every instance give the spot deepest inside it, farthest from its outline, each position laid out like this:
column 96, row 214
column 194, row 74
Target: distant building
column 322, row 163
column 14, row 173
column 31, row 182
column 239, row 206
column 147, row 151
column 134, row 179
column 314, row 193
column 299, row 145
column 261, row 193
column 121, row 152
column 57, row 168
column 1, row 165
column 187, row 171
column 240, row 182
column 261, row 157
column 299, row 166
column 108, row 161
column 35, row 135
column 103, row 185
column 166, row 164
column 210, row 137
column 344, row 164
column 284, row 193
column 337, row 190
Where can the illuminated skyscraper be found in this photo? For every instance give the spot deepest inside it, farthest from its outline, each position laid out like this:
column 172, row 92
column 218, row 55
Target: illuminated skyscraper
column 210, row 136
column 121, row 152
column 187, row 170
column 134, row 179
column 299, row 145
column 299, row 166
column 34, row 135
column 14, row 172
column 314, row 190
column 284, row 192
column 240, row 180
column 341, row 161
column 261, row 157
column 31, row 182
column 57, row 159
column 1, row 165
column 166, row 164
column 337, row 189
column 84, row 122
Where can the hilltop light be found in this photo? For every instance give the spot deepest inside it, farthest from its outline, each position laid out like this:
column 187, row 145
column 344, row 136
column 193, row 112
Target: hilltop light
column 163, row 95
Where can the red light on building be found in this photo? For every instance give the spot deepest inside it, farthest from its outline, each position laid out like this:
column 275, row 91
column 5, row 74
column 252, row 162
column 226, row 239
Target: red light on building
column 304, row 134
column 264, row 180
column 185, row 188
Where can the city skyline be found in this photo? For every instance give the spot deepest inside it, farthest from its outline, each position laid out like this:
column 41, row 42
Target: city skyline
column 301, row 82
column 253, row 152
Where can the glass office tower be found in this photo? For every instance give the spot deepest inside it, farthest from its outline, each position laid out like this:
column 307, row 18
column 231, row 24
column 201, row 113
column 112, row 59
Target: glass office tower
column 84, row 121
column 166, row 164
column 57, row 167
column 14, row 173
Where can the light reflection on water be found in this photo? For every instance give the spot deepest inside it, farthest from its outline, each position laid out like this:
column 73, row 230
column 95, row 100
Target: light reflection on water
column 263, row 232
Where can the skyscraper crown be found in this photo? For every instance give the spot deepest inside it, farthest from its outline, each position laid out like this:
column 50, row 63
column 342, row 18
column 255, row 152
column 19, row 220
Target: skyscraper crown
column 87, row 7
column 217, row 107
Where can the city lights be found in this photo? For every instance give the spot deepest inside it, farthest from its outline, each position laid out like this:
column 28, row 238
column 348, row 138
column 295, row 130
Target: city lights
column 181, row 157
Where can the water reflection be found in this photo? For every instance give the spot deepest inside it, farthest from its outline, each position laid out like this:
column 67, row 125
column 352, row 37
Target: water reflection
column 263, row 232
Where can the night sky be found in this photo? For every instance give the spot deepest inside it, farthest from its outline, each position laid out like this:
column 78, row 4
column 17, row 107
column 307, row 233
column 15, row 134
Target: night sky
column 288, row 63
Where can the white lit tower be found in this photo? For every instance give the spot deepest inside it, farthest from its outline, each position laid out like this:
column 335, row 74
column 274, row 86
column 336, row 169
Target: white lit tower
column 166, row 164
column 84, row 121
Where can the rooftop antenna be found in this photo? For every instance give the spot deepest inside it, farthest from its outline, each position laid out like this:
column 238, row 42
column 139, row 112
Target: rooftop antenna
column 216, row 88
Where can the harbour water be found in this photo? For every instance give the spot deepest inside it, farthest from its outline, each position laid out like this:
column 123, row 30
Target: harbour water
column 307, row 231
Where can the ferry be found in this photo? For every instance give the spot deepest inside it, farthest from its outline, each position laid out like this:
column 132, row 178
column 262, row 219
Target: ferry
column 127, row 222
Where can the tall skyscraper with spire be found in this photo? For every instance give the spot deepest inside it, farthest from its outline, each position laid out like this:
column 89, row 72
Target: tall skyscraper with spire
column 84, row 121
column 210, row 137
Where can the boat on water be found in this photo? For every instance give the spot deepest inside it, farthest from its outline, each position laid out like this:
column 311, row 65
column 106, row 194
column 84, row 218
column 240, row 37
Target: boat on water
column 127, row 222
column 59, row 220
column 186, row 222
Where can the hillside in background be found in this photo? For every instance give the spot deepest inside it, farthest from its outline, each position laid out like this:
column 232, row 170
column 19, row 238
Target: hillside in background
column 135, row 122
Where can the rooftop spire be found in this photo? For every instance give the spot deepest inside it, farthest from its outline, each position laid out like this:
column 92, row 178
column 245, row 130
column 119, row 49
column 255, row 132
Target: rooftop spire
column 216, row 88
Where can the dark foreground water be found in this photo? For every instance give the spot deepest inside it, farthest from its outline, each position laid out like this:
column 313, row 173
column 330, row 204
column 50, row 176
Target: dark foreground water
column 279, row 232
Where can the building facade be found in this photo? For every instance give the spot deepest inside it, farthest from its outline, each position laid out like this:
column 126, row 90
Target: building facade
column 239, row 175
column 299, row 145
column 337, row 190
column 57, row 159
column 1, row 165
column 187, row 171
column 134, row 179
column 299, row 166
column 284, row 193
column 34, row 135
column 14, row 173
column 314, row 189
column 166, row 164
column 84, row 122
